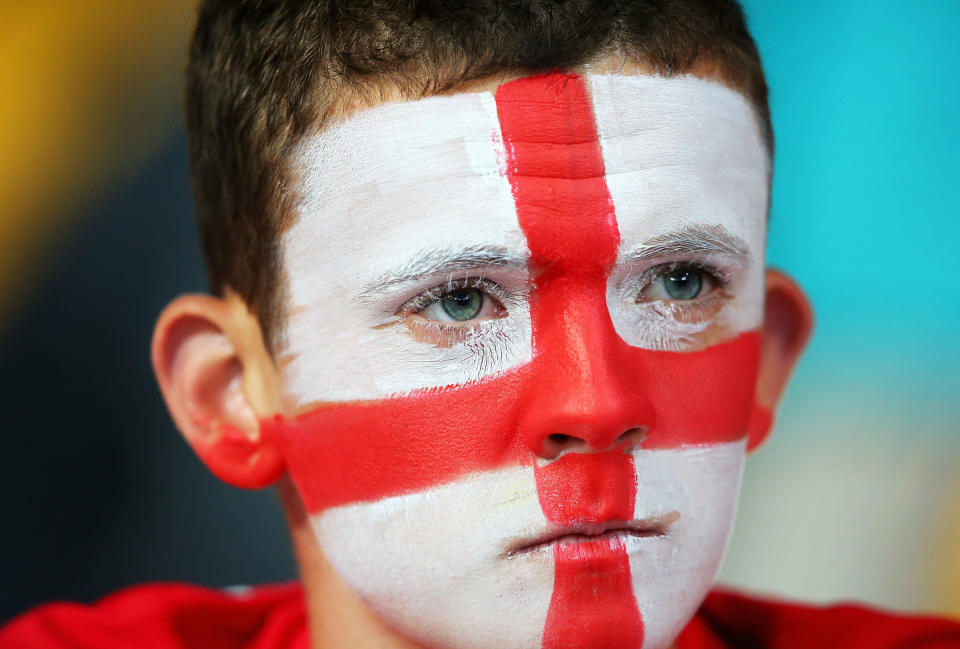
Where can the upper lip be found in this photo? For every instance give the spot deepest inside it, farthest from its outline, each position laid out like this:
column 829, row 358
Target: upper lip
column 653, row 526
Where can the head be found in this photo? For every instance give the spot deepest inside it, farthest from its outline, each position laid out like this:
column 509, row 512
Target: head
column 490, row 306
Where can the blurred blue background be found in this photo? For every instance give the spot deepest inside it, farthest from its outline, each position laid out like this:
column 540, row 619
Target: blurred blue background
column 857, row 494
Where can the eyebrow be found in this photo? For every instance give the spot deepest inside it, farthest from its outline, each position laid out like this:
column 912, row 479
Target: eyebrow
column 697, row 238
column 434, row 263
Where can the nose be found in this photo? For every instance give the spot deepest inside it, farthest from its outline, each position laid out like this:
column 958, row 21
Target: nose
column 555, row 444
column 586, row 413
column 588, row 390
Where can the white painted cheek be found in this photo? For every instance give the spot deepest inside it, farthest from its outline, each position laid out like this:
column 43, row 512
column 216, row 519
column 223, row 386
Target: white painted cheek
column 356, row 362
column 376, row 191
column 679, row 152
column 672, row 575
column 430, row 563
column 651, row 326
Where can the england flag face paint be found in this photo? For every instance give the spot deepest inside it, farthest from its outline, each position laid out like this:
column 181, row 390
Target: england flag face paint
column 522, row 343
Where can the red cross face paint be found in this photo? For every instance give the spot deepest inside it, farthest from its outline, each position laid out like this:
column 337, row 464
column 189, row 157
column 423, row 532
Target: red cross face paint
column 522, row 339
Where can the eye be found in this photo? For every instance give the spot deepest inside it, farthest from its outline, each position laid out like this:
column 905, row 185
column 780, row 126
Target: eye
column 457, row 302
column 679, row 283
column 458, row 305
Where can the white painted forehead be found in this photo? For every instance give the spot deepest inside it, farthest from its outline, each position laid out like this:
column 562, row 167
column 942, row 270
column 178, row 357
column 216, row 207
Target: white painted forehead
column 678, row 117
column 418, row 175
column 429, row 174
column 402, row 178
column 442, row 139
column 399, row 145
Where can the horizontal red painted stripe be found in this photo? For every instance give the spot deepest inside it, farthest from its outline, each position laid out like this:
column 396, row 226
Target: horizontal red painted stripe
column 349, row 452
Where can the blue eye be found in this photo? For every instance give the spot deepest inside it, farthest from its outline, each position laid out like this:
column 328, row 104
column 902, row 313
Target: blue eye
column 460, row 301
column 680, row 283
column 683, row 284
column 462, row 304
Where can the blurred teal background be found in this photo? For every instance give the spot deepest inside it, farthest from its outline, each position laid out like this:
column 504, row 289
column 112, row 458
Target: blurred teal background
column 858, row 492
column 856, row 495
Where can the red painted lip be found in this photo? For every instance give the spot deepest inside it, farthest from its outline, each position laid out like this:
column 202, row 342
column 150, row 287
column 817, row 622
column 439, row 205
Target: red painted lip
column 592, row 532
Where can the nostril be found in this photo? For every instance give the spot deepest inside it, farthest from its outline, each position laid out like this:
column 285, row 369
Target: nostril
column 559, row 439
column 632, row 437
column 557, row 443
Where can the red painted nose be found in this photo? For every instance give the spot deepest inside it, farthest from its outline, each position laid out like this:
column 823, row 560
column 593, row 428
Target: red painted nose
column 587, row 393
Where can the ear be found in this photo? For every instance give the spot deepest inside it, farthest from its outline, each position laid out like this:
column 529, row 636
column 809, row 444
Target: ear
column 787, row 323
column 219, row 382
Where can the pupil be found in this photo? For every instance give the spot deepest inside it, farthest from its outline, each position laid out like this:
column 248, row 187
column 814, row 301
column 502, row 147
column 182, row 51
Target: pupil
column 683, row 284
column 463, row 304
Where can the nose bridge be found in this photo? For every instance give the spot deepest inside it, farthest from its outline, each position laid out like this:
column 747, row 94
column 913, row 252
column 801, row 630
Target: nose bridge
column 587, row 384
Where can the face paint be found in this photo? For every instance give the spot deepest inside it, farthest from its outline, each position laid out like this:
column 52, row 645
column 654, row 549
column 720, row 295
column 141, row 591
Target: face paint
column 434, row 483
column 402, row 197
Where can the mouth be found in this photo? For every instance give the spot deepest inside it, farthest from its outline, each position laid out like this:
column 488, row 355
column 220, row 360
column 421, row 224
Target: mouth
column 608, row 531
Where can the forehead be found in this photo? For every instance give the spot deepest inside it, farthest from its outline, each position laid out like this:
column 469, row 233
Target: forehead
column 430, row 174
column 404, row 178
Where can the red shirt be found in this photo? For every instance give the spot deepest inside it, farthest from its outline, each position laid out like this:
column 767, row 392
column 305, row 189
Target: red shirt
column 178, row 616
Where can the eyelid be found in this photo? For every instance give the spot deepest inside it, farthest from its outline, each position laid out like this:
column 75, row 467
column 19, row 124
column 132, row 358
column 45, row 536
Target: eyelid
column 420, row 302
column 722, row 277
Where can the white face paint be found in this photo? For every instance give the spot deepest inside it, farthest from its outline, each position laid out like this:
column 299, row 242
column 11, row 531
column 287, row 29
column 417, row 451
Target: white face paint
column 387, row 195
column 690, row 163
column 404, row 199
column 435, row 564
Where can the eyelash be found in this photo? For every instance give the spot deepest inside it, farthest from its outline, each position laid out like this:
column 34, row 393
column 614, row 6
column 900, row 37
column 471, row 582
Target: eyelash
column 717, row 275
column 448, row 334
column 482, row 337
column 490, row 290
column 697, row 312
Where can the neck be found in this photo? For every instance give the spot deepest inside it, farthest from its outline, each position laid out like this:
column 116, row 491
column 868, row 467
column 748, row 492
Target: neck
column 337, row 617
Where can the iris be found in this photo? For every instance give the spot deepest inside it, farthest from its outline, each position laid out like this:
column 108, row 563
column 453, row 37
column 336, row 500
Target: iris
column 462, row 304
column 683, row 283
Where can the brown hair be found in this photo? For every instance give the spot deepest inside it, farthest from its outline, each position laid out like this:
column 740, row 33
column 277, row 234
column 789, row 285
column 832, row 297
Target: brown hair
column 263, row 73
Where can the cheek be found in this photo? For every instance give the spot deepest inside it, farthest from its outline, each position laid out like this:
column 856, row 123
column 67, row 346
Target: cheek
column 431, row 563
column 670, row 579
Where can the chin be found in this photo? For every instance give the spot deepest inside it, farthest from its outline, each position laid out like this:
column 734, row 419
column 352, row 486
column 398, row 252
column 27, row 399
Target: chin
column 472, row 564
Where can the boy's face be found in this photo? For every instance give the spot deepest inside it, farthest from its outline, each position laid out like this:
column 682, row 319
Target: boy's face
column 520, row 354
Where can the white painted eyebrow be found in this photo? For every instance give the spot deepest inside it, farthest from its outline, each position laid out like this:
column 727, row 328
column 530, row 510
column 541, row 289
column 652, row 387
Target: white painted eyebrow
column 695, row 238
column 433, row 263
column 699, row 238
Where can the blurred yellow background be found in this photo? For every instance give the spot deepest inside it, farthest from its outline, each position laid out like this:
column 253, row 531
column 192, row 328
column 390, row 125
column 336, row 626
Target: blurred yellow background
column 90, row 88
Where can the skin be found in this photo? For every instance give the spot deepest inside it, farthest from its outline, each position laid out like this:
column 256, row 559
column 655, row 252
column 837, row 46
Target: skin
column 219, row 383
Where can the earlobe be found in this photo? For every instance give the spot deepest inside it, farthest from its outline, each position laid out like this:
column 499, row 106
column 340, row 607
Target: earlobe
column 788, row 321
column 210, row 362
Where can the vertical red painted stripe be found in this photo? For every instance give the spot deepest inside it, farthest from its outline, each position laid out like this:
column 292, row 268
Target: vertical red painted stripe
column 592, row 603
column 555, row 167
